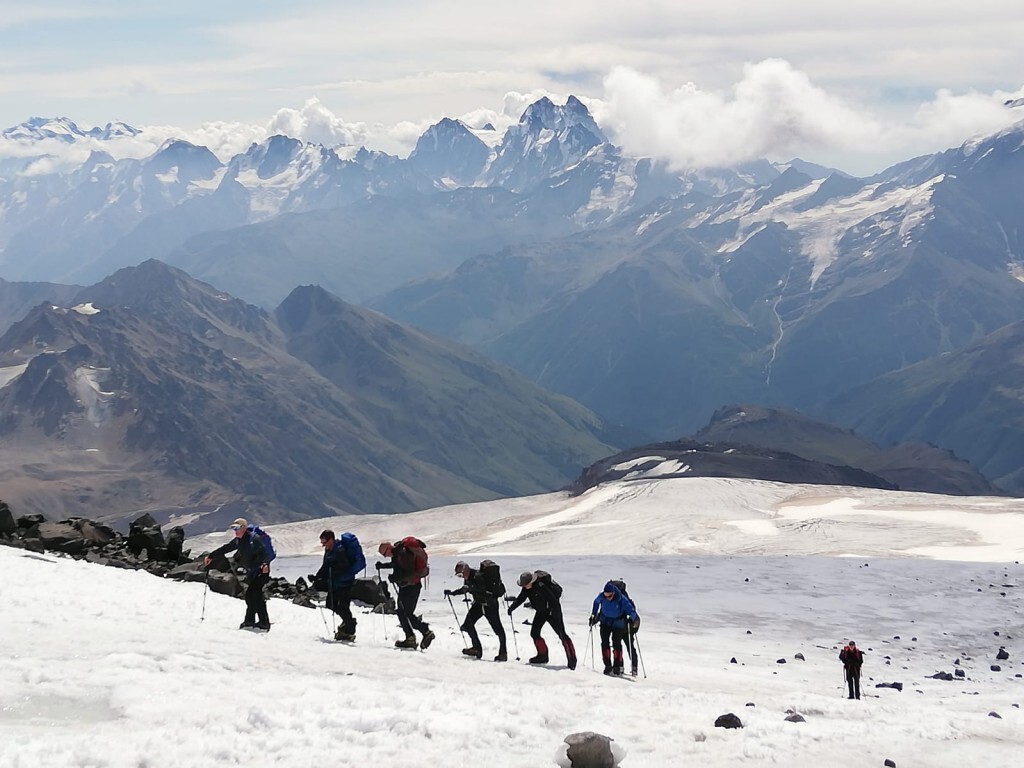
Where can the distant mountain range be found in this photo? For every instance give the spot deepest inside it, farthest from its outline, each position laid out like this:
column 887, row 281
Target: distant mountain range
column 153, row 391
column 653, row 297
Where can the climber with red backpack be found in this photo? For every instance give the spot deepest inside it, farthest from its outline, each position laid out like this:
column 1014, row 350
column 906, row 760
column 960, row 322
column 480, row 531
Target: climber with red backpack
column 853, row 659
column 485, row 585
column 544, row 594
column 253, row 553
column 409, row 567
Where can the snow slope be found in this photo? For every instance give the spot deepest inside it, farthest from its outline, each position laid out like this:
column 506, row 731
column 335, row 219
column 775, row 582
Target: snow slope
column 102, row 667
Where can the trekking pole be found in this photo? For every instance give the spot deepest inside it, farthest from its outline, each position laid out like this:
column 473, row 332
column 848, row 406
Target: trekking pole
column 640, row 656
column 512, row 624
column 206, row 587
column 321, row 607
column 593, row 655
column 330, row 594
column 457, row 622
column 383, row 606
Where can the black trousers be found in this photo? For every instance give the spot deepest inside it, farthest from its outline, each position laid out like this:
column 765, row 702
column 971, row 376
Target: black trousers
column 408, row 597
column 339, row 600
column 255, row 602
column 553, row 616
column 490, row 610
column 613, row 636
column 853, row 682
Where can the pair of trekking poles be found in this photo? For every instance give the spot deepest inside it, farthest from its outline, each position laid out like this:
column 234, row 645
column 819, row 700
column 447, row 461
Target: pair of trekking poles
column 633, row 644
column 511, row 623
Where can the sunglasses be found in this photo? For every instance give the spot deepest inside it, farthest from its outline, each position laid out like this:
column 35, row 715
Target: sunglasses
column 236, row 527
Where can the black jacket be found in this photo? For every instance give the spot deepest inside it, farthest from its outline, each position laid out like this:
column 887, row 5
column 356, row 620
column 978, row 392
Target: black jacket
column 852, row 658
column 476, row 587
column 251, row 554
column 541, row 596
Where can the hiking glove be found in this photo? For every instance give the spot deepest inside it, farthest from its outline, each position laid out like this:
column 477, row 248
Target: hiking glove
column 448, row 593
column 593, row 620
column 635, row 625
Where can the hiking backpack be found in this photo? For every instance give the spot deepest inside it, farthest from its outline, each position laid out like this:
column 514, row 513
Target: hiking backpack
column 556, row 588
column 418, row 550
column 268, row 544
column 354, row 552
column 622, row 588
column 491, row 573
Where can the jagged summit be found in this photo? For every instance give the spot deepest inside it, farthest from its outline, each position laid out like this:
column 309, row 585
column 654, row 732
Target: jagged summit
column 65, row 129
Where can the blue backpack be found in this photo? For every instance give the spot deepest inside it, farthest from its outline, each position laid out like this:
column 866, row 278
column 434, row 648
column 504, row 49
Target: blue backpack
column 268, row 545
column 353, row 551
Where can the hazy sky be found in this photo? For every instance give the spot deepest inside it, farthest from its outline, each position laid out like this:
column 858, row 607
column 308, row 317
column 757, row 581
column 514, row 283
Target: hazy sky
column 860, row 85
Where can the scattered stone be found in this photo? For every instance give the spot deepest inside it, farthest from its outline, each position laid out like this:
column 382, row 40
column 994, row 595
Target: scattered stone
column 728, row 721
column 795, row 718
column 731, row 661
column 700, row 737
column 749, row 704
column 749, row 632
column 8, row 525
column 1002, row 655
column 996, row 715
column 889, row 763
column 996, row 668
column 780, row 661
column 799, row 656
column 896, row 686
column 940, row 676
column 591, row 750
column 959, row 673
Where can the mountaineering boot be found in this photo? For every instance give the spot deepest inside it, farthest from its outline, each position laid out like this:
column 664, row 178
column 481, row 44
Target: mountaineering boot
column 570, row 652
column 617, row 670
column 476, row 652
column 344, row 634
column 247, row 625
column 502, row 655
column 607, row 669
column 428, row 638
column 633, row 671
column 542, row 652
column 409, row 642
column 263, row 625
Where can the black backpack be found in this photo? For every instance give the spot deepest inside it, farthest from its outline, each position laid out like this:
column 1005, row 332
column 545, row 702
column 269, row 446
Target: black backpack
column 491, row 573
column 556, row 588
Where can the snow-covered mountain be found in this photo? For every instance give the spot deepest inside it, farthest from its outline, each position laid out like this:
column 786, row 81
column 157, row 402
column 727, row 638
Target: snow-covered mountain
column 63, row 129
column 652, row 296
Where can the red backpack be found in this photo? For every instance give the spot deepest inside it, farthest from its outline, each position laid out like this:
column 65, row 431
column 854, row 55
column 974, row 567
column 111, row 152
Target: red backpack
column 418, row 550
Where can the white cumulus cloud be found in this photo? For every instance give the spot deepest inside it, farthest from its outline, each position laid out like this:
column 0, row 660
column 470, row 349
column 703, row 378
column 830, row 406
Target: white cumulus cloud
column 775, row 111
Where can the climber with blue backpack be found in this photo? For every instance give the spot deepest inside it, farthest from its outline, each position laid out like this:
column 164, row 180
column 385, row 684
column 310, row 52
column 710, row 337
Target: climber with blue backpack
column 253, row 553
column 343, row 559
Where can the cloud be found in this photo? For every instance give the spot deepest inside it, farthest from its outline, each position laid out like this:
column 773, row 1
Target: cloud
column 775, row 111
column 317, row 124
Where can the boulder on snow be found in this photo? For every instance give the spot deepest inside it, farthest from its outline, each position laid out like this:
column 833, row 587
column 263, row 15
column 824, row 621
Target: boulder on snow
column 8, row 525
column 588, row 750
column 728, row 720
column 1002, row 655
